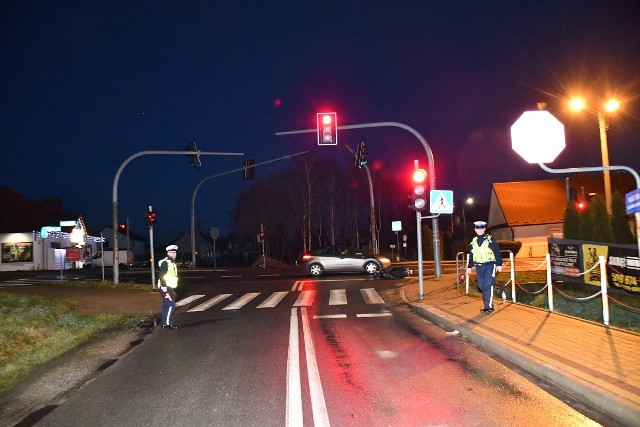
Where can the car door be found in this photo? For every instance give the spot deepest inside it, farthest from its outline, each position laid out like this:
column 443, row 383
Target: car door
column 330, row 259
column 351, row 259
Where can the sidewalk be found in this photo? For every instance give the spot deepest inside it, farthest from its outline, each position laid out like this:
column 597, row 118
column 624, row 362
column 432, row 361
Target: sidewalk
column 596, row 364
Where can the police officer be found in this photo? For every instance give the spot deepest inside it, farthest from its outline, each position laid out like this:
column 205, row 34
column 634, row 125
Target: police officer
column 484, row 253
column 167, row 283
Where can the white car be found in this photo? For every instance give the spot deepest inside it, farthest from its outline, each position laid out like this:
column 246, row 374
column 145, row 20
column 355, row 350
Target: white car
column 342, row 259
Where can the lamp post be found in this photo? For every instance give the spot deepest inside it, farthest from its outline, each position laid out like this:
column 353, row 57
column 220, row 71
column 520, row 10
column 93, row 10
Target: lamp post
column 469, row 202
column 579, row 104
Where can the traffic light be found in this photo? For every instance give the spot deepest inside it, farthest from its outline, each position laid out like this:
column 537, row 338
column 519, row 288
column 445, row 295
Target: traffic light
column 361, row 155
column 581, row 206
column 194, row 159
column 122, row 227
column 261, row 236
column 327, row 127
column 150, row 216
column 247, row 169
column 419, row 190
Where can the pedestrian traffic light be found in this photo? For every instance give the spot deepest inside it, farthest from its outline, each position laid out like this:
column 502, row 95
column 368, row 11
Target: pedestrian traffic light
column 260, row 236
column 361, row 155
column 194, row 159
column 581, row 205
column 247, row 169
column 419, row 190
column 150, row 217
column 327, row 128
column 122, row 227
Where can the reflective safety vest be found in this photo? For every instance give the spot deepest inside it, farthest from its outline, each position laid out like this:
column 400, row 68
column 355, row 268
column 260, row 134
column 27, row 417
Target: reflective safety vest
column 482, row 253
column 171, row 277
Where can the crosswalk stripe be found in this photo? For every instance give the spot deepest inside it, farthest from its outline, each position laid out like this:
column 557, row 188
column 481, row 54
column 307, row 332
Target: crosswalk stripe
column 188, row 300
column 371, row 296
column 338, row 297
column 305, row 299
column 297, row 286
column 213, row 301
column 273, row 300
column 242, row 301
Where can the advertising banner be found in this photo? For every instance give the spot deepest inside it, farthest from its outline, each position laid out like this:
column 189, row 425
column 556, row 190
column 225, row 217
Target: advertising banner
column 565, row 260
column 570, row 259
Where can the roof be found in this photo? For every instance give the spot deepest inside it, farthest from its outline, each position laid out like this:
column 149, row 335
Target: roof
column 544, row 201
column 532, row 202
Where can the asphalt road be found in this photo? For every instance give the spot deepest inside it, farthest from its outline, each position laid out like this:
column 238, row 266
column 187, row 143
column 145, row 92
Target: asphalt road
column 272, row 351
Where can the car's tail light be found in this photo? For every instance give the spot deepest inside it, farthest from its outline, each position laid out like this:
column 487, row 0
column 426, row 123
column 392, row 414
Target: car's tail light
column 306, row 257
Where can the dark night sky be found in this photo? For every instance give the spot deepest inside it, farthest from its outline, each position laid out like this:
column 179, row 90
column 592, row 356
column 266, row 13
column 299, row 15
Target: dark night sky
column 84, row 85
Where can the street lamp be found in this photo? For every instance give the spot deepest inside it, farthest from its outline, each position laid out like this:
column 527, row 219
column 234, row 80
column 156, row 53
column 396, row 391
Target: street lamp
column 579, row 104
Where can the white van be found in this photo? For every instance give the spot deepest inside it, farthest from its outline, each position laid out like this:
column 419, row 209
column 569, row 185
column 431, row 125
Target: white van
column 125, row 258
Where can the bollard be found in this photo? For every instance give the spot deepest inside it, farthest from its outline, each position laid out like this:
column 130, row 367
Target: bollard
column 603, row 287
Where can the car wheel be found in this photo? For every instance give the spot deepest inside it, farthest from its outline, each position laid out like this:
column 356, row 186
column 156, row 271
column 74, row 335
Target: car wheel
column 316, row 270
column 371, row 267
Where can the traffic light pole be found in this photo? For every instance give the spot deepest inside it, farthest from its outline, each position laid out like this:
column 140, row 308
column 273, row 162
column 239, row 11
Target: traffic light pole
column 114, row 201
column 202, row 181
column 374, row 239
column 432, row 179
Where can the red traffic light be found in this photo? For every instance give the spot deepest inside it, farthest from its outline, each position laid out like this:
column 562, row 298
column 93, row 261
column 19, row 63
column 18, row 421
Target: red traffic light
column 581, row 205
column 419, row 189
column 327, row 128
column 419, row 176
column 122, row 226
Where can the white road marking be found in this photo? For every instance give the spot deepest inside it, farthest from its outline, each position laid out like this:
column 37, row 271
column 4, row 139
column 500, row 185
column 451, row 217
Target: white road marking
column 305, row 299
column 330, row 316
column 242, row 301
column 371, row 296
column 385, row 314
column 338, row 297
column 297, row 286
column 188, row 300
column 294, row 416
column 318, row 405
column 273, row 300
column 213, row 301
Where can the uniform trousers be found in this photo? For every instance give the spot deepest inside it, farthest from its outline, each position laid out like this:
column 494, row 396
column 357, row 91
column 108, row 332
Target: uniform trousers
column 486, row 281
column 168, row 306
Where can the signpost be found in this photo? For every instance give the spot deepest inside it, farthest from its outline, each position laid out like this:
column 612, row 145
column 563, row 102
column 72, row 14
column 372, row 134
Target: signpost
column 214, row 233
column 441, row 201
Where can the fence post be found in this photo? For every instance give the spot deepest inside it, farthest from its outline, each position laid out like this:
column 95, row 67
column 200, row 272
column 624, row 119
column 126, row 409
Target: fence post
column 549, row 284
column 466, row 275
column 603, row 287
column 513, row 277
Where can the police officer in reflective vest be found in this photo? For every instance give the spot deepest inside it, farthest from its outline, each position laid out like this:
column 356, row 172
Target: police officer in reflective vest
column 484, row 253
column 167, row 282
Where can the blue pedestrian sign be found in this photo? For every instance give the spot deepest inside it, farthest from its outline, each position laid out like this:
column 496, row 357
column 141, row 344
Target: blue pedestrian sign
column 441, row 201
column 632, row 201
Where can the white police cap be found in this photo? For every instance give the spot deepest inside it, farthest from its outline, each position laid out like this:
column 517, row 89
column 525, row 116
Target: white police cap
column 172, row 248
column 480, row 224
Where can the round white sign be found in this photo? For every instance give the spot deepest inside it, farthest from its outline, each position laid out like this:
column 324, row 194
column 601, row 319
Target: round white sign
column 214, row 233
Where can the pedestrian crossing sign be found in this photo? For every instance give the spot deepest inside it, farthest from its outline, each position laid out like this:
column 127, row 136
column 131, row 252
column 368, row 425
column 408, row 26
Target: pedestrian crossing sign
column 441, row 201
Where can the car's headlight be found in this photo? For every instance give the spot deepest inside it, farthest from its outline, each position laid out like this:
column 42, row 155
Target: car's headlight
column 384, row 259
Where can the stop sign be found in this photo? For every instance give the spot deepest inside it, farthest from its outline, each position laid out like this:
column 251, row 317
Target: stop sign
column 537, row 136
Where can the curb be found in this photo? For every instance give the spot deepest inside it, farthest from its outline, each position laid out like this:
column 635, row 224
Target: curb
column 602, row 400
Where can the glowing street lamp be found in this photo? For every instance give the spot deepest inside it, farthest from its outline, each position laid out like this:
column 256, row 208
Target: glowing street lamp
column 579, row 104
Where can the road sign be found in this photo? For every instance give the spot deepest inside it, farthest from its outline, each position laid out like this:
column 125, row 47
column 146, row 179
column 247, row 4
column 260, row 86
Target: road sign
column 441, row 201
column 537, row 136
column 632, row 200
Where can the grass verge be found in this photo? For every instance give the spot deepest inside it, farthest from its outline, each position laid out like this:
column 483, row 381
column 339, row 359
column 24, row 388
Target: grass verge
column 37, row 329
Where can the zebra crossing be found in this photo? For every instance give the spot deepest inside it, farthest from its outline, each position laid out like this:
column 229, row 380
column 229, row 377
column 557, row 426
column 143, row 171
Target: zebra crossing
column 305, row 298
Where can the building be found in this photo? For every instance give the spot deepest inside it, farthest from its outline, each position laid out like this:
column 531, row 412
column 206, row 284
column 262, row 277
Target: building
column 40, row 236
column 532, row 211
